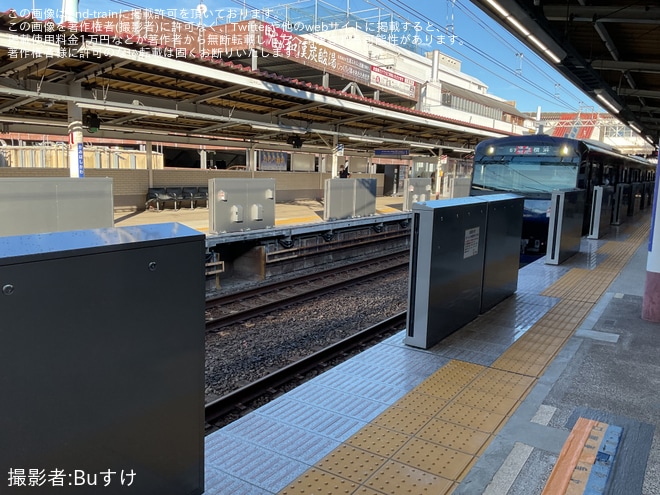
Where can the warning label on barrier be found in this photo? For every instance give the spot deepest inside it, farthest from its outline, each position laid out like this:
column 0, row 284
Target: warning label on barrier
column 471, row 247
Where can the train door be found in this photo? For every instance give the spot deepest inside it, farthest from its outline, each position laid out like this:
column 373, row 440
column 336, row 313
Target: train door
column 584, row 173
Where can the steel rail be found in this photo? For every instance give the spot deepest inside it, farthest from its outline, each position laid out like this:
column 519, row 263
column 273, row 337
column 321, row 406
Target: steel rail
column 273, row 296
column 239, row 398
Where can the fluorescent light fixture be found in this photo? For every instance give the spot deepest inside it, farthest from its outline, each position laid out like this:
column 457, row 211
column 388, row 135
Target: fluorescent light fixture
column 261, row 127
column 508, row 16
column 514, row 22
column 537, row 42
column 365, row 139
column 124, row 108
column 279, row 128
column 635, row 127
column 502, row 11
column 605, row 100
column 552, row 56
column 425, row 146
column 544, row 48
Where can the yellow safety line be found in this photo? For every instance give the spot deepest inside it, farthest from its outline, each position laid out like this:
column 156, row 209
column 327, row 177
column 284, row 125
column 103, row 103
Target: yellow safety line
column 298, row 220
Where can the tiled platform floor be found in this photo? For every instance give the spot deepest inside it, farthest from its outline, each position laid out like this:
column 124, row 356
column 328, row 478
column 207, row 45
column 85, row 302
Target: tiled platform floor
column 399, row 420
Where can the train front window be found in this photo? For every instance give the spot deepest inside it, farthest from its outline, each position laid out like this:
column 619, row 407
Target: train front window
column 524, row 174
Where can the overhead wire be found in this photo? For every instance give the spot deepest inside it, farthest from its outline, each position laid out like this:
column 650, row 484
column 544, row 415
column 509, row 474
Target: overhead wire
column 396, row 4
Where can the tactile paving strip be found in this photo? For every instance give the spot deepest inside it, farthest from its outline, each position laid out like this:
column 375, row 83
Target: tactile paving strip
column 565, row 284
column 430, row 438
column 395, row 478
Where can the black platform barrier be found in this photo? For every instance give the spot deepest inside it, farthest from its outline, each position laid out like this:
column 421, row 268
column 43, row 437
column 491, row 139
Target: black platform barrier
column 647, row 195
column 102, row 361
column 602, row 202
column 504, row 219
column 565, row 225
column 454, row 275
column 636, row 198
column 621, row 204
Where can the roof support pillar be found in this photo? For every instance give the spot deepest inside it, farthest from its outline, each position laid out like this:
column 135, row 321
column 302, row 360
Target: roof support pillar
column 335, row 154
column 651, row 301
column 255, row 58
column 150, row 164
column 251, row 158
column 75, row 128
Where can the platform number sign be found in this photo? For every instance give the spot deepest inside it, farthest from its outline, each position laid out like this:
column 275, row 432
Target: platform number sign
column 340, row 150
column 81, row 165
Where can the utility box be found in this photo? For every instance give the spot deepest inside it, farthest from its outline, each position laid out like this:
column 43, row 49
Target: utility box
column 365, row 197
column 237, row 205
column 349, row 198
column 102, row 361
column 416, row 191
column 446, row 268
column 54, row 204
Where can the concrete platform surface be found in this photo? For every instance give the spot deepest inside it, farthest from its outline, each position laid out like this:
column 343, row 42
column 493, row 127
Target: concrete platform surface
column 294, row 212
column 495, row 408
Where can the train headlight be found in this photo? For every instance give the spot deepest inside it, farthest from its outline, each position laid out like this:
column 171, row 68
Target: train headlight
column 565, row 150
column 490, row 150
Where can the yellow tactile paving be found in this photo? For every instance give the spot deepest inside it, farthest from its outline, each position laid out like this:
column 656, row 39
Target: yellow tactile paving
column 378, row 440
column 421, row 403
column 486, row 401
column 566, row 283
column 395, row 478
column 433, row 458
column 387, row 209
column 320, row 483
column 297, row 220
column 402, row 420
column 363, row 490
column 471, row 417
column 429, row 440
column 351, row 463
column 454, row 436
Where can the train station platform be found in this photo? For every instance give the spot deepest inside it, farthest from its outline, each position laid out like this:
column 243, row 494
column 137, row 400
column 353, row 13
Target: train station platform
column 555, row 390
column 290, row 213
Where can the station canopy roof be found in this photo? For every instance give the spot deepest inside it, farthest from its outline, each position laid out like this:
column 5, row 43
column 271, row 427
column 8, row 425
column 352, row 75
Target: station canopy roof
column 134, row 83
column 608, row 49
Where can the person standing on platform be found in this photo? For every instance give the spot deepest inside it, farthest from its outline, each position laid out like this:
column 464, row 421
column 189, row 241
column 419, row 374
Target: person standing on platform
column 343, row 171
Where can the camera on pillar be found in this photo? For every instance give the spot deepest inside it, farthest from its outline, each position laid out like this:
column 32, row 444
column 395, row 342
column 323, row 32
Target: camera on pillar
column 92, row 122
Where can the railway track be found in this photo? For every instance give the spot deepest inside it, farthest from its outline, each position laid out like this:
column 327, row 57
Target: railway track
column 239, row 402
column 229, row 309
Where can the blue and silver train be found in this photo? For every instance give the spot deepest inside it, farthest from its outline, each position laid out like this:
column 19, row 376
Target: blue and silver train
column 535, row 165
